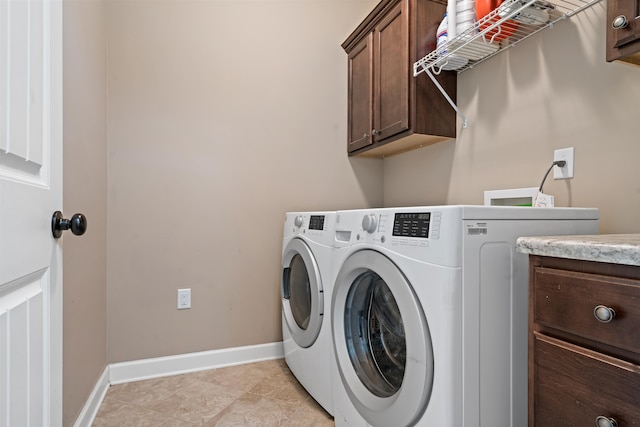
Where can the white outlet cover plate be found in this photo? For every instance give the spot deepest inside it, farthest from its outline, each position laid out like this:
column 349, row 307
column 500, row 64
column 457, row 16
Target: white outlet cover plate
column 566, row 154
column 184, row 299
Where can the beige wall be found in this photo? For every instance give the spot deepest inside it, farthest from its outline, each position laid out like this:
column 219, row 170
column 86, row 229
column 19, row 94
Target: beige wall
column 223, row 115
column 85, row 183
column 553, row 91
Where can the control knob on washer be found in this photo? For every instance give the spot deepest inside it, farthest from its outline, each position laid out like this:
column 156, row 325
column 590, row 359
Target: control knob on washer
column 298, row 221
column 369, row 223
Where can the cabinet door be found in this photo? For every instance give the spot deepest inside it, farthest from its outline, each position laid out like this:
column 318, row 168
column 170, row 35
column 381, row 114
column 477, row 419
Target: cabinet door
column 574, row 386
column 360, row 94
column 623, row 43
column 391, row 73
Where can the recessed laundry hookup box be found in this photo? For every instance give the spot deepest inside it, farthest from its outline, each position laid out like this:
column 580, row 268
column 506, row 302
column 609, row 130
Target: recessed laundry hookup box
column 510, row 197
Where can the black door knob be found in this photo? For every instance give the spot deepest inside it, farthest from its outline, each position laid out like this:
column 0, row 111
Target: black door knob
column 77, row 224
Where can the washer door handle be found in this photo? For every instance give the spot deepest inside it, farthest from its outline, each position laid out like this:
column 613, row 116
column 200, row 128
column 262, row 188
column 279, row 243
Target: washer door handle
column 286, row 283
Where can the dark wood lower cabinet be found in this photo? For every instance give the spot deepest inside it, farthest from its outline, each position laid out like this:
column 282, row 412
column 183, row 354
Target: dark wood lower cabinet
column 574, row 386
column 583, row 370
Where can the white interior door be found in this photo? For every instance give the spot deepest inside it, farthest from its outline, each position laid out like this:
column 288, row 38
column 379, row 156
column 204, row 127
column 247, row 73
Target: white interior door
column 30, row 191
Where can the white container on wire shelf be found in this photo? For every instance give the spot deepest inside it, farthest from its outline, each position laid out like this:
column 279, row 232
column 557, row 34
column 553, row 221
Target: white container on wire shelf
column 535, row 14
column 465, row 15
column 465, row 30
column 452, row 61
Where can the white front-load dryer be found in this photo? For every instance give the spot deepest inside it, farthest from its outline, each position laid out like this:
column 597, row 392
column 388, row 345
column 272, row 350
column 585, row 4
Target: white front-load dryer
column 429, row 313
column 306, row 300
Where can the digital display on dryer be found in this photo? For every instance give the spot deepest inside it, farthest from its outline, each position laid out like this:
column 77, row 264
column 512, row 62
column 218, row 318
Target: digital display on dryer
column 316, row 222
column 412, row 225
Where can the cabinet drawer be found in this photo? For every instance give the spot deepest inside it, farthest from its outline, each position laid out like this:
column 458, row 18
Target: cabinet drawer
column 565, row 300
column 573, row 386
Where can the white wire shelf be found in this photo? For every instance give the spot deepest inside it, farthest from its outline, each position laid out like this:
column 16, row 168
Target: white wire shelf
column 481, row 41
column 486, row 38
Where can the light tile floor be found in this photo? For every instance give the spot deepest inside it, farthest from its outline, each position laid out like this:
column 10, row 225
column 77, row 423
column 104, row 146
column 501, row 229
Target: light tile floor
column 257, row 394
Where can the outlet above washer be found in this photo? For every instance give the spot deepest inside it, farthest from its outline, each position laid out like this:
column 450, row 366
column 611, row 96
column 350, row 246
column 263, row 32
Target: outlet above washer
column 565, row 172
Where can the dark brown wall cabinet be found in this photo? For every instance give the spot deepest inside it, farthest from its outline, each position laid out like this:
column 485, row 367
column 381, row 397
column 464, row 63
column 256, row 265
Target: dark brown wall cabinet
column 623, row 30
column 389, row 110
column 584, row 343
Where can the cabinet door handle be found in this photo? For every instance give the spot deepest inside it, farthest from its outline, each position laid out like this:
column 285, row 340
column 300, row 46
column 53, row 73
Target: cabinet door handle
column 604, row 314
column 365, row 136
column 620, row 22
column 602, row 421
column 374, row 132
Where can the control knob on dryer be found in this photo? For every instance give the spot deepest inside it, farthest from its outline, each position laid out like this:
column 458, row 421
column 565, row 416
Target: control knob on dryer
column 369, row 223
column 298, row 221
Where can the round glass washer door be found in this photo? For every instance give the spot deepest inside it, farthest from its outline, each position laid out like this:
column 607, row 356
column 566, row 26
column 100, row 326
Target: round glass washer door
column 301, row 292
column 381, row 340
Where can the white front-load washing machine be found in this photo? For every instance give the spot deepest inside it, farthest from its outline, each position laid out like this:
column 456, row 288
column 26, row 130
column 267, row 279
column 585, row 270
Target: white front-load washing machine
column 306, row 299
column 429, row 313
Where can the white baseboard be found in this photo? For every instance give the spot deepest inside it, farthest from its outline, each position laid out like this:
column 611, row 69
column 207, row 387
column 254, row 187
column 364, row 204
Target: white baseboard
column 92, row 405
column 144, row 369
column 123, row 372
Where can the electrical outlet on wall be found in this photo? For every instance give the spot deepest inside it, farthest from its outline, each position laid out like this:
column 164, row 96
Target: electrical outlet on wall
column 184, row 298
column 565, row 172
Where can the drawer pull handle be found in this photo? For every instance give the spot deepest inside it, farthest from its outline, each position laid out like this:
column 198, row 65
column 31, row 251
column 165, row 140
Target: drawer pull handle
column 602, row 421
column 604, row 314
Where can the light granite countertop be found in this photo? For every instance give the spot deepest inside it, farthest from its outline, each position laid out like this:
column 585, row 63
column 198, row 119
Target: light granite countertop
column 611, row 248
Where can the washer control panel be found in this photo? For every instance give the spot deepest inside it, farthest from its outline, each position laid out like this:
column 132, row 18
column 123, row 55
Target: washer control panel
column 412, row 224
column 423, row 232
column 402, row 227
column 423, row 225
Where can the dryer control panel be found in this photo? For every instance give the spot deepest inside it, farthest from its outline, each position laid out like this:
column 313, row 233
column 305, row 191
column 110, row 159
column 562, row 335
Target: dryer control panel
column 316, row 222
column 316, row 226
